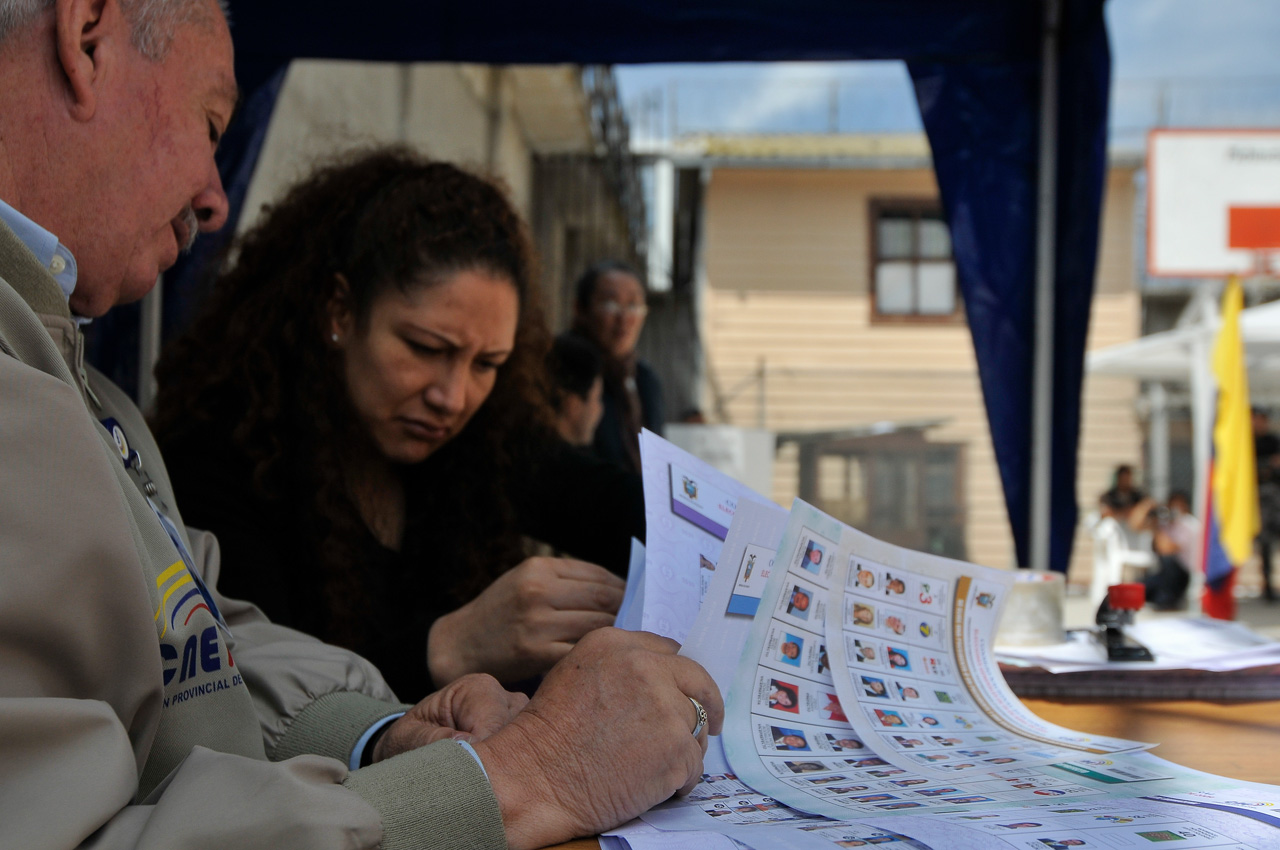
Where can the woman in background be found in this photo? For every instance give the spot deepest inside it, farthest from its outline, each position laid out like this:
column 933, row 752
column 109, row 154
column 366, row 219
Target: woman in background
column 359, row 413
column 609, row 311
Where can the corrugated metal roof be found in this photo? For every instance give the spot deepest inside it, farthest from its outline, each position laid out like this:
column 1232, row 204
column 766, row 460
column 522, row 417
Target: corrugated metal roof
column 839, row 150
column 803, row 146
column 816, row 146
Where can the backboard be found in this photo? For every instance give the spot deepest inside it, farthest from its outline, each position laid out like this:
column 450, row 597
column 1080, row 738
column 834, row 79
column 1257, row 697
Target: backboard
column 1213, row 202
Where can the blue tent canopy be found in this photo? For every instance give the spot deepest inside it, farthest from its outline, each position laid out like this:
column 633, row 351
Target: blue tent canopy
column 976, row 67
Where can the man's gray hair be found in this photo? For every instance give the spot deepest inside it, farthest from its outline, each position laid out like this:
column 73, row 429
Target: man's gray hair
column 154, row 22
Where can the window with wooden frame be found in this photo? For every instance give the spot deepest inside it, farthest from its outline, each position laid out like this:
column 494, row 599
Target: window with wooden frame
column 898, row 487
column 913, row 275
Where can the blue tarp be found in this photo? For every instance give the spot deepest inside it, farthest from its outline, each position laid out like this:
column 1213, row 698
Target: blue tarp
column 976, row 68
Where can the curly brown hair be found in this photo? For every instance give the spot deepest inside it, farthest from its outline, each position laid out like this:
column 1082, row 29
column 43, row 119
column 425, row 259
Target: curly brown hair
column 257, row 354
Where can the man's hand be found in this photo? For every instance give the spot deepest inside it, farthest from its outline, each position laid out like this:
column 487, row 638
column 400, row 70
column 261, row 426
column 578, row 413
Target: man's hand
column 524, row 622
column 606, row 737
column 470, row 709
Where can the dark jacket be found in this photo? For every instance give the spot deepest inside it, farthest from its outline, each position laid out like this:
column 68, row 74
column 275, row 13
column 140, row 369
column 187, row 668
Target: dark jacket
column 567, row 499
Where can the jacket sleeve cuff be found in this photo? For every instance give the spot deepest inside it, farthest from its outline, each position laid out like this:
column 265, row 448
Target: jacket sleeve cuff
column 332, row 725
column 436, row 796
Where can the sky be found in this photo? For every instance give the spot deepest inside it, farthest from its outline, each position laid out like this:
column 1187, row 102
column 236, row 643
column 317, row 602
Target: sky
column 1188, row 62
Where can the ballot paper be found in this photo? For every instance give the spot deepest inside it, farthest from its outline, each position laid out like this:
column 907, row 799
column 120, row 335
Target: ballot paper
column 807, row 762
column 688, row 507
column 630, row 614
column 927, row 708
column 1240, row 816
column 638, row 835
column 721, row 801
column 910, row 637
column 1178, row 643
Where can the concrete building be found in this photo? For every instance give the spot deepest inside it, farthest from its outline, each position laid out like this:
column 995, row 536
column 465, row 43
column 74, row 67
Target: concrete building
column 553, row 134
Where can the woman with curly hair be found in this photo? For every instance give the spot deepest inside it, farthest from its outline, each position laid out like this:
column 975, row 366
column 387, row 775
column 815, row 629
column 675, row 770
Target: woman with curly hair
column 360, row 414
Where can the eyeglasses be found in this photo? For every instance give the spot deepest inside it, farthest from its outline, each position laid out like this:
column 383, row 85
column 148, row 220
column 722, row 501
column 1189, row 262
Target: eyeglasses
column 611, row 309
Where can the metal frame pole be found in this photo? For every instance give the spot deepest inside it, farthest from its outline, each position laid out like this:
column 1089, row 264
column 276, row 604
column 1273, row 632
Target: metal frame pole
column 1158, row 442
column 1046, row 222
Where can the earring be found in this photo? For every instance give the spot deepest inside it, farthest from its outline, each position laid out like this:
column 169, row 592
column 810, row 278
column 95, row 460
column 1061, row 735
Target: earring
column 333, row 337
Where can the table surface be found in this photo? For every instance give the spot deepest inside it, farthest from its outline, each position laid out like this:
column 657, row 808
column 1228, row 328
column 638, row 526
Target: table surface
column 1236, row 739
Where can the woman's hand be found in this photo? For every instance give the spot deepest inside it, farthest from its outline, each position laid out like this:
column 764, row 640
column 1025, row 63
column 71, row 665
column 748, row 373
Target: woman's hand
column 524, row 622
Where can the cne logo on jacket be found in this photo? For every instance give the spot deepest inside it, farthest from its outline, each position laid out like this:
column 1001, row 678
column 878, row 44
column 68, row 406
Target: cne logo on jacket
column 201, row 652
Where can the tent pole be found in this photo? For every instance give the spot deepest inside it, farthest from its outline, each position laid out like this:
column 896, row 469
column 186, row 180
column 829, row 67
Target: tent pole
column 1203, row 397
column 1046, row 222
column 1158, row 442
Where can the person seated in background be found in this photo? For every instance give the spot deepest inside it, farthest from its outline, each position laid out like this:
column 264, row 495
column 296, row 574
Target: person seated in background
column 1119, row 500
column 609, row 310
column 1119, row 548
column 139, row 707
column 1175, row 536
column 360, row 414
column 577, row 387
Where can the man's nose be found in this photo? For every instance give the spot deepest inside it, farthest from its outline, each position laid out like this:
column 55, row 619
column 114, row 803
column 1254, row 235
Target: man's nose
column 211, row 204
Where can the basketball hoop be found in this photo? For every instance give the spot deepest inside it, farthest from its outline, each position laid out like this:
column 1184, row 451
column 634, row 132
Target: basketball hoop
column 1255, row 229
column 1266, row 264
column 1213, row 203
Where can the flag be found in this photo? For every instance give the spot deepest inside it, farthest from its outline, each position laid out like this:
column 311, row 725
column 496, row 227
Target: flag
column 1232, row 518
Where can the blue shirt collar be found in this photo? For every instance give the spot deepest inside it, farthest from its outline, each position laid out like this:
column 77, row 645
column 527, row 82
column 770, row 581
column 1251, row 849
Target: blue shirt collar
column 51, row 253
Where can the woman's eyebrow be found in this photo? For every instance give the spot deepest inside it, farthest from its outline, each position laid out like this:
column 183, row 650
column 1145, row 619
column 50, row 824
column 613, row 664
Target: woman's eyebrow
column 443, row 337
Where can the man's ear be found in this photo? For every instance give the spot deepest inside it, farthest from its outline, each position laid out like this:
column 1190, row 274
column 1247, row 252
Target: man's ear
column 80, row 28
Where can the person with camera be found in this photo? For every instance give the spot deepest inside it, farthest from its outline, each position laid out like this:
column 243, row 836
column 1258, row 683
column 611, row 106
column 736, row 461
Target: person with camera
column 1175, row 534
column 609, row 309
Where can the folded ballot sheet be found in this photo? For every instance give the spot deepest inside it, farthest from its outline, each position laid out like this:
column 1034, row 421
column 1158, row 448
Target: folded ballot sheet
column 864, row 704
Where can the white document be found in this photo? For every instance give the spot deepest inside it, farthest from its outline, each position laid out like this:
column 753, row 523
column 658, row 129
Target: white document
column 786, row 731
column 802, row 757
column 724, row 804
column 688, row 508
column 1178, row 643
column 1138, row 822
column 910, row 637
column 767, row 798
column 721, row 630
column 682, row 841
column 631, row 611
column 721, row 801
column 638, row 835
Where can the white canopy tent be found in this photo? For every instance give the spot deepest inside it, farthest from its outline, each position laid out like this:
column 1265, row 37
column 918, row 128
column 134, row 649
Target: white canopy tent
column 1184, row 354
column 1169, row 355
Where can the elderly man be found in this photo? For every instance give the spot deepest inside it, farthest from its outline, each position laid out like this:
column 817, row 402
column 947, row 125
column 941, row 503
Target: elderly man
column 138, row 707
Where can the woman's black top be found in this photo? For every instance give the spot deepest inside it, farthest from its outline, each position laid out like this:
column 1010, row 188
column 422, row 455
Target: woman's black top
column 579, row 505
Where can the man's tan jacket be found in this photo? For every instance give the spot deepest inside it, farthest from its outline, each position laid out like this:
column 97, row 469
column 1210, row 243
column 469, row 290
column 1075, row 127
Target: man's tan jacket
column 129, row 716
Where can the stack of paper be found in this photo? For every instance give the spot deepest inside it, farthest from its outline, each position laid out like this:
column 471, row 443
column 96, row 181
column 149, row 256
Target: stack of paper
column 1178, row 643
column 864, row 705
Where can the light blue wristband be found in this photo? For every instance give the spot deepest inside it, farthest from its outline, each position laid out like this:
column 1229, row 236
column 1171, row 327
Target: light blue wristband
column 357, row 752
